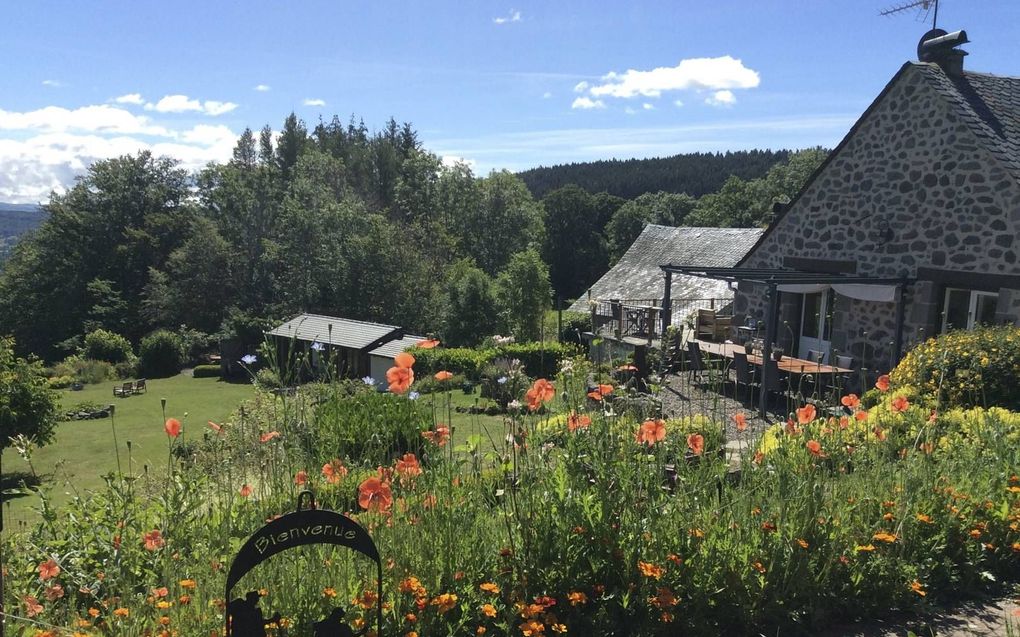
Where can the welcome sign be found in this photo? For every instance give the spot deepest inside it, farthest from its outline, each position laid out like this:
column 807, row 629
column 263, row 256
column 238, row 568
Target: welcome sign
column 305, row 526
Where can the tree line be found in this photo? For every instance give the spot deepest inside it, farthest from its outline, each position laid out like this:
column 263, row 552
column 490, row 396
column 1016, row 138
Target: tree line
column 335, row 220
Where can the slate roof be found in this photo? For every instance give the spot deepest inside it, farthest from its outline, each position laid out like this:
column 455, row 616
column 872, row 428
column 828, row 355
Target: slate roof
column 336, row 331
column 394, row 347
column 637, row 275
column 989, row 104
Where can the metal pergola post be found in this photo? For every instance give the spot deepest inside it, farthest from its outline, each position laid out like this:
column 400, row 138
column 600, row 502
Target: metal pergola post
column 771, row 317
column 901, row 302
column 667, row 303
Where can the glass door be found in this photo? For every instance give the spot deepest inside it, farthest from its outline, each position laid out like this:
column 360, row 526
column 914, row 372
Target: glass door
column 816, row 324
column 964, row 309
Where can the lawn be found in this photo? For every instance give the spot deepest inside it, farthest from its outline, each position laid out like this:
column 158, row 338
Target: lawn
column 465, row 425
column 83, row 451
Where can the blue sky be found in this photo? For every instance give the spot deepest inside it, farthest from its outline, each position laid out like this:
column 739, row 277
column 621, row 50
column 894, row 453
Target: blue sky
column 499, row 85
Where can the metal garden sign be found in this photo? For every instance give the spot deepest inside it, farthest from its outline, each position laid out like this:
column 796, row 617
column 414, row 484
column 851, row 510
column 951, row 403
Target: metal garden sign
column 304, row 526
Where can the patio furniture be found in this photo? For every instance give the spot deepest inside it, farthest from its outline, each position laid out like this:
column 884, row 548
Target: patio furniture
column 711, row 325
column 695, row 363
column 125, row 390
column 140, row 386
column 744, row 374
column 816, row 356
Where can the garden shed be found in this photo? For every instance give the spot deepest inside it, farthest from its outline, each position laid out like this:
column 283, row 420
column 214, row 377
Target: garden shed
column 381, row 358
column 349, row 344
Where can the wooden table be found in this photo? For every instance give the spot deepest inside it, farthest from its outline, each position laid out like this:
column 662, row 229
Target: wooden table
column 788, row 364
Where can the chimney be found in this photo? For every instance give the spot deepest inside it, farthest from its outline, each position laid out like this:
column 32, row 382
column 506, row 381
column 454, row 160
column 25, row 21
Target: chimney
column 940, row 47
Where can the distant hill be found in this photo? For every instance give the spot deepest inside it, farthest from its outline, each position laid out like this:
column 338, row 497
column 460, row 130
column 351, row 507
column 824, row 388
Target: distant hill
column 15, row 220
column 694, row 173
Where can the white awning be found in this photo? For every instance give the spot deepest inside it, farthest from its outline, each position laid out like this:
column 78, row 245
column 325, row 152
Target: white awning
column 859, row 291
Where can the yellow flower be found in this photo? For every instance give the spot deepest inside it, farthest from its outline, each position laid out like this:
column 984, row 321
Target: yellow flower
column 488, row 610
column 121, row 612
column 803, row 543
column 865, row 548
column 188, row 584
column 489, row 587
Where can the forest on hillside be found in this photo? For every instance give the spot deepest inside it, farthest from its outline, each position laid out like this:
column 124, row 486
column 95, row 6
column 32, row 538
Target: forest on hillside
column 695, row 174
column 336, row 220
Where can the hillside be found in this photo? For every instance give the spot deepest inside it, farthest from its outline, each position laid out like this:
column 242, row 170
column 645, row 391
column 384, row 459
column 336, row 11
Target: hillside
column 694, row 173
column 15, row 220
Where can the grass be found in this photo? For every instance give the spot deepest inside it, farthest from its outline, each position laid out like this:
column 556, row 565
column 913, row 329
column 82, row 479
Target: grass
column 464, row 424
column 83, row 451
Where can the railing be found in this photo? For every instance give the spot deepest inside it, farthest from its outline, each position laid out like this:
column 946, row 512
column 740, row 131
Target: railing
column 642, row 318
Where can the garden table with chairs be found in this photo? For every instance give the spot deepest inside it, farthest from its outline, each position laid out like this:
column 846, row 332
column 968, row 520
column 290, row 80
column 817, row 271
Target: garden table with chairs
column 787, row 364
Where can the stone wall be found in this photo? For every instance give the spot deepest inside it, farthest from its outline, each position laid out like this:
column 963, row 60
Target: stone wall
column 911, row 188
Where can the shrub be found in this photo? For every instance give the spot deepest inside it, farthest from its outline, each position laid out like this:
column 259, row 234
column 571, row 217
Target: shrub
column 458, row 360
column 102, row 345
column 427, row 383
column 966, row 368
column 350, row 426
column 207, row 371
column 540, row 360
column 127, row 369
column 28, row 406
column 60, row 382
column 160, row 354
column 574, row 324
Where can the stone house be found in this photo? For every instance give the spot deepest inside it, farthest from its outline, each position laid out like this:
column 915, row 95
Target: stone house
column 924, row 190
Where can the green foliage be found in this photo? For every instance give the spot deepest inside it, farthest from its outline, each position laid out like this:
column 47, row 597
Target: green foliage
column 457, row 360
column 160, row 354
column 524, row 294
column 469, row 306
column 106, row 346
column 28, row 406
column 206, row 371
column 575, row 324
column 369, row 427
column 84, row 370
column 60, row 382
column 979, row 367
column 575, row 247
column 540, row 360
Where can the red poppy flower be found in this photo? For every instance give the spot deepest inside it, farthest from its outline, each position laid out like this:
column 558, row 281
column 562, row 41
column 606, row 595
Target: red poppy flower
column 861, row 415
column 153, row 540
column 172, row 426
column 577, row 421
column 400, row 378
column 741, row 421
column 815, row 448
column 443, row 375
column 439, row 437
column 269, row 436
column 428, row 343
column 301, row 477
column 899, row 404
column 375, row 495
column 48, row 569
column 217, row 428
column 806, row 414
column 245, row 490
column 407, row 467
column 850, row 401
column 651, row 432
column 542, row 391
column 696, row 443
column 334, row 471
column 883, row 382
column 404, row 360
column 32, row 606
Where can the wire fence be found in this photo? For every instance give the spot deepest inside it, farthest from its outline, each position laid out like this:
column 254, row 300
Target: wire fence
column 643, row 318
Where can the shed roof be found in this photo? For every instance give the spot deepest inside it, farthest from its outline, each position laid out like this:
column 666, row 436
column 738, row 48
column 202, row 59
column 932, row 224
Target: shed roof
column 396, row 346
column 637, row 275
column 336, row 331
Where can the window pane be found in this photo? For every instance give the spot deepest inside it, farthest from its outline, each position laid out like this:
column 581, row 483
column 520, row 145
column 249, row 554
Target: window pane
column 957, row 309
column 812, row 308
column 830, row 302
column 985, row 312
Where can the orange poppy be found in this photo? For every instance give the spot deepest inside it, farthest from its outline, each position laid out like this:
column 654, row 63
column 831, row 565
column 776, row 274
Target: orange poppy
column 48, row 569
column 879, row 433
column 172, row 426
column 882, row 536
column 899, row 404
column 850, row 401
column 334, row 471
column 577, row 421
column 741, row 421
column 153, row 540
column 32, row 605
column 651, row 432
column 542, row 391
column 400, row 378
column 883, row 382
column 815, row 448
column 217, row 428
column 428, row 343
column 245, row 490
column 791, row 427
column 806, row 414
column 443, row 375
column 627, row 368
column 439, row 437
column 408, row 467
column 404, row 360
column 301, row 477
column 696, row 443
column 266, row 437
column 861, row 415
column 375, row 495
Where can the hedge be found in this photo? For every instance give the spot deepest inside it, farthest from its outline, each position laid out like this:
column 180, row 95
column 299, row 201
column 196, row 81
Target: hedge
column 540, row 360
column 206, row 371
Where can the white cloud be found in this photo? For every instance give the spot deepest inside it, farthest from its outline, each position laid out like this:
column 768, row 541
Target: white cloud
column 691, row 74
column 314, row 102
column 648, row 107
column 630, row 111
column 513, row 16
column 678, row 103
column 52, row 83
column 130, row 98
column 183, row 103
column 581, row 87
column 262, row 88
column 44, row 150
column 586, row 103
column 721, row 98
column 546, row 95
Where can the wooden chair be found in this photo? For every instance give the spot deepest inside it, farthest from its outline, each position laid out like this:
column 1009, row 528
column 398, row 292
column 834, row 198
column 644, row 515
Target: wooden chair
column 124, row 390
column 140, row 386
column 712, row 326
column 744, row 374
column 695, row 363
column 816, row 356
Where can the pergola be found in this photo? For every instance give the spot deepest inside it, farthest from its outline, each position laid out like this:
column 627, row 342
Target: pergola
column 775, row 280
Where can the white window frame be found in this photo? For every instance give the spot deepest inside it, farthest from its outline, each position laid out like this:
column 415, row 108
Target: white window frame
column 971, row 306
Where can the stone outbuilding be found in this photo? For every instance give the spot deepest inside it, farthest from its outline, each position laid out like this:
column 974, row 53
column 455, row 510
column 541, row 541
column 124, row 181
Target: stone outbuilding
column 924, row 189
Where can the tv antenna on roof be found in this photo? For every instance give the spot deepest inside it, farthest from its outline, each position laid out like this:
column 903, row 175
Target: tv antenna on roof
column 923, row 7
